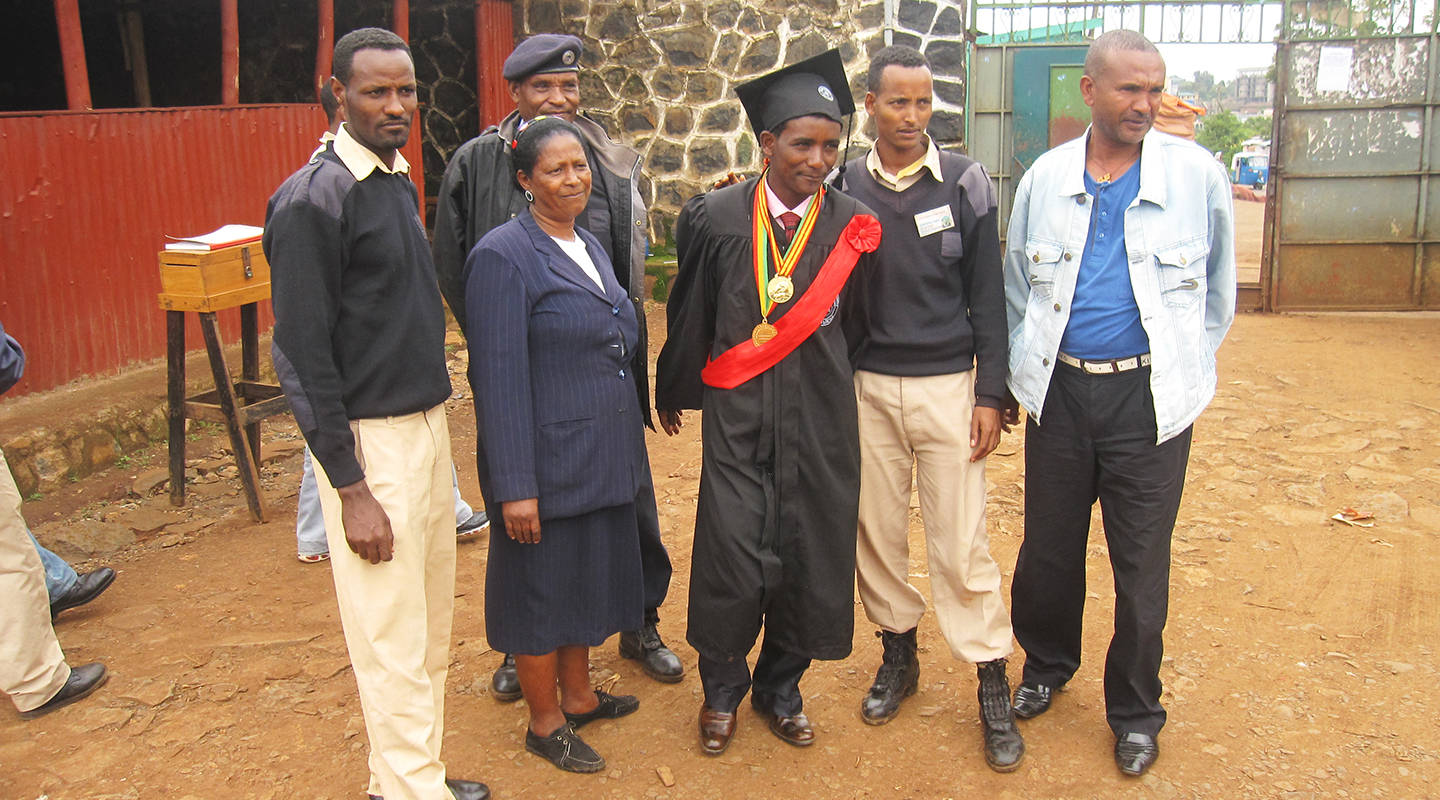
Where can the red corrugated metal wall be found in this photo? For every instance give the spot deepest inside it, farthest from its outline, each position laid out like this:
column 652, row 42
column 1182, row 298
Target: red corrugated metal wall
column 86, row 200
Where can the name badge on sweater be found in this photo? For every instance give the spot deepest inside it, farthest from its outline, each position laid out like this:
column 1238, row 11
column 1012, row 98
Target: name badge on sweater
column 934, row 220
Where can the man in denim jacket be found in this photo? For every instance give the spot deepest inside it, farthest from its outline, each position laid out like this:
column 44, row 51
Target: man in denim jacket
column 1120, row 285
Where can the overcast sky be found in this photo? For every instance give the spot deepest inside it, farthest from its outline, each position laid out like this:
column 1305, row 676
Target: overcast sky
column 1220, row 60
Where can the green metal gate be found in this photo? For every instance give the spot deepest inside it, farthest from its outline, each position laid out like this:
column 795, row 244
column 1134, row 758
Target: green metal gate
column 1352, row 218
column 1025, row 61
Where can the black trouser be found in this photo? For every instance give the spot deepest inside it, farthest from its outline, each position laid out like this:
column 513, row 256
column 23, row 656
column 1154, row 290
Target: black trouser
column 654, row 561
column 776, row 682
column 1096, row 440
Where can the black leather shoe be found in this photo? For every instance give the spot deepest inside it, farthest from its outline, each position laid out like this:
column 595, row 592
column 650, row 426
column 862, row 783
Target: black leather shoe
column 794, row 730
column 897, row 678
column 467, row 790
column 646, row 647
column 460, row 790
column 610, row 707
column 1004, row 747
column 82, row 682
column 505, row 684
column 1032, row 700
column 87, row 587
column 565, row 749
column 717, row 728
column 1136, row 753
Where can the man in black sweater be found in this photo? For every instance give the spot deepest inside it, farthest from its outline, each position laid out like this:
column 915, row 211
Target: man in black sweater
column 360, row 351
column 930, row 387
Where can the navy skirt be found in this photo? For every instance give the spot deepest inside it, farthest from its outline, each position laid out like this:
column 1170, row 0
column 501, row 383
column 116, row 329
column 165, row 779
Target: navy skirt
column 580, row 585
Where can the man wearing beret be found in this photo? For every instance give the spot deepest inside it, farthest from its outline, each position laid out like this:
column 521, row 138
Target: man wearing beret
column 479, row 193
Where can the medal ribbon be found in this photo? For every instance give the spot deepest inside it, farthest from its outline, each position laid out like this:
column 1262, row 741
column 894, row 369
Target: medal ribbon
column 767, row 250
column 746, row 360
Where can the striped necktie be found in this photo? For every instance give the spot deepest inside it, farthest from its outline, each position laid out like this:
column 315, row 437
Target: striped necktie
column 791, row 221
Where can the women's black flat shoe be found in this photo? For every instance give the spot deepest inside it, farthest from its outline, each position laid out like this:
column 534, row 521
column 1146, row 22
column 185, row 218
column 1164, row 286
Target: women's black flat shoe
column 565, row 749
column 610, row 707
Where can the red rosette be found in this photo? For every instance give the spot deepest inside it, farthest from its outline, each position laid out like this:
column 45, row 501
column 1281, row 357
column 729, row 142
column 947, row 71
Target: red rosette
column 862, row 233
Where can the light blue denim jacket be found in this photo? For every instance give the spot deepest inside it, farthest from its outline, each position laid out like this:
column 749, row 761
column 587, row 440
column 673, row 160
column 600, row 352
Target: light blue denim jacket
column 1179, row 236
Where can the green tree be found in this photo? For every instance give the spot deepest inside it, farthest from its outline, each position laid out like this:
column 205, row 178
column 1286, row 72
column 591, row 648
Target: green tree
column 1212, row 93
column 1257, row 126
column 1221, row 133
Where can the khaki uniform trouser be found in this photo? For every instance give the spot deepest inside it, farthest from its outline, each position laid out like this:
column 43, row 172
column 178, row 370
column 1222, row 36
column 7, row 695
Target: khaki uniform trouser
column 397, row 614
column 923, row 423
column 32, row 667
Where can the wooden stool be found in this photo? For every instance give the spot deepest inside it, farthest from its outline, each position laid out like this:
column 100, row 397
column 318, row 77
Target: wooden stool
column 206, row 282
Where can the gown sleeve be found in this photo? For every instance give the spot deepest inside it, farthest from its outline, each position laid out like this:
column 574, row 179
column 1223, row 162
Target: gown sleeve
column 690, row 313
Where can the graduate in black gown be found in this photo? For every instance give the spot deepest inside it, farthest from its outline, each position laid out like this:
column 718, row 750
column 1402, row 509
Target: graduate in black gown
column 764, row 324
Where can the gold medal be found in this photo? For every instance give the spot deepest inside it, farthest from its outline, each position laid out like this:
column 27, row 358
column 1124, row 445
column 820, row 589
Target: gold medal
column 780, row 289
column 763, row 333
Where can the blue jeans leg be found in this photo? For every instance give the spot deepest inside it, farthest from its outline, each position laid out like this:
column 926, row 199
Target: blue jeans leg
column 463, row 512
column 309, row 520
column 59, row 576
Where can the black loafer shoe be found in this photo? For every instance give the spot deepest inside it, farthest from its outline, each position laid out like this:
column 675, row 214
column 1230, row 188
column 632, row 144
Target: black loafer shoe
column 565, row 749
column 1032, row 700
column 655, row 658
column 467, row 790
column 87, row 587
column 505, row 684
column 460, row 790
column 82, row 682
column 610, row 707
column 1136, row 753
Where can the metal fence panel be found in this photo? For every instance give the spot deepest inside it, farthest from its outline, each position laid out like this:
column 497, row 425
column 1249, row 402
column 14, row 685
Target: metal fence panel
column 1351, row 210
column 1352, row 175
column 1345, row 277
column 1380, row 141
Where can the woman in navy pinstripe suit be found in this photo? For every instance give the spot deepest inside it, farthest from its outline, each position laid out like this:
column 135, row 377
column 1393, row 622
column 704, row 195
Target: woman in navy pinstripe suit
column 560, row 444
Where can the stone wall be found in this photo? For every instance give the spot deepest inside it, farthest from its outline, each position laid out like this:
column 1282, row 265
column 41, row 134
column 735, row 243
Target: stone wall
column 277, row 63
column 659, row 74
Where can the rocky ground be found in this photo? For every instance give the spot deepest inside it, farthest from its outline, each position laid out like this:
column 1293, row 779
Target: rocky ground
column 1301, row 650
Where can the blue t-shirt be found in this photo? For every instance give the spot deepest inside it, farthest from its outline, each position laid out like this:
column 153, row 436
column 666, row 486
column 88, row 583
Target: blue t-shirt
column 1104, row 319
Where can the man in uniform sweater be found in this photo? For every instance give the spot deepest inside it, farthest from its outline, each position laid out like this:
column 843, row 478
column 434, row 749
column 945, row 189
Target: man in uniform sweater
column 360, row 352
column 929, row 389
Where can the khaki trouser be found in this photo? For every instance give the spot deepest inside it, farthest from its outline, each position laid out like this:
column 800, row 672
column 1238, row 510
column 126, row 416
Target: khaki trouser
column 924, row 423
column 397, row 614
column 32, row 667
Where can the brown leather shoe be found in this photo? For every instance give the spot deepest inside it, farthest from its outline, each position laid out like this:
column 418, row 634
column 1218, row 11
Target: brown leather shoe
column 794, row 730
column 717, row 728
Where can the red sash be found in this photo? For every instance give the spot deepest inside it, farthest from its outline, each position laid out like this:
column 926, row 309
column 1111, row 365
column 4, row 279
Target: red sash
column 746, row 360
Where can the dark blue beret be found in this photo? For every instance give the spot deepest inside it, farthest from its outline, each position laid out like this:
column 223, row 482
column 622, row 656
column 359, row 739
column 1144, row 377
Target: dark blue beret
column 543, row 52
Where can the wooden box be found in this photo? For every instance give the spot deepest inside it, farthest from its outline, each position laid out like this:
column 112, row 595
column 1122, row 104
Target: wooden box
column 201, row 281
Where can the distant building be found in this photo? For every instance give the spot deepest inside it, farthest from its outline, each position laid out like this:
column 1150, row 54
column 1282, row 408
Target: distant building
column 1252, row 91
column 1184, row 89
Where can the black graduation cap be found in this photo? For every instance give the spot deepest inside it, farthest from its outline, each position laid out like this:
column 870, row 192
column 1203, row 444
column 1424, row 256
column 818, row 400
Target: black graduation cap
column 815, row 86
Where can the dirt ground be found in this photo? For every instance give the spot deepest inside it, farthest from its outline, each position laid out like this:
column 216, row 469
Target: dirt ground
column 1301, row 651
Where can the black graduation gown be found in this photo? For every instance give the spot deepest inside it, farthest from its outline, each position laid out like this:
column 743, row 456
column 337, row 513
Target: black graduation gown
column 780, row 482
